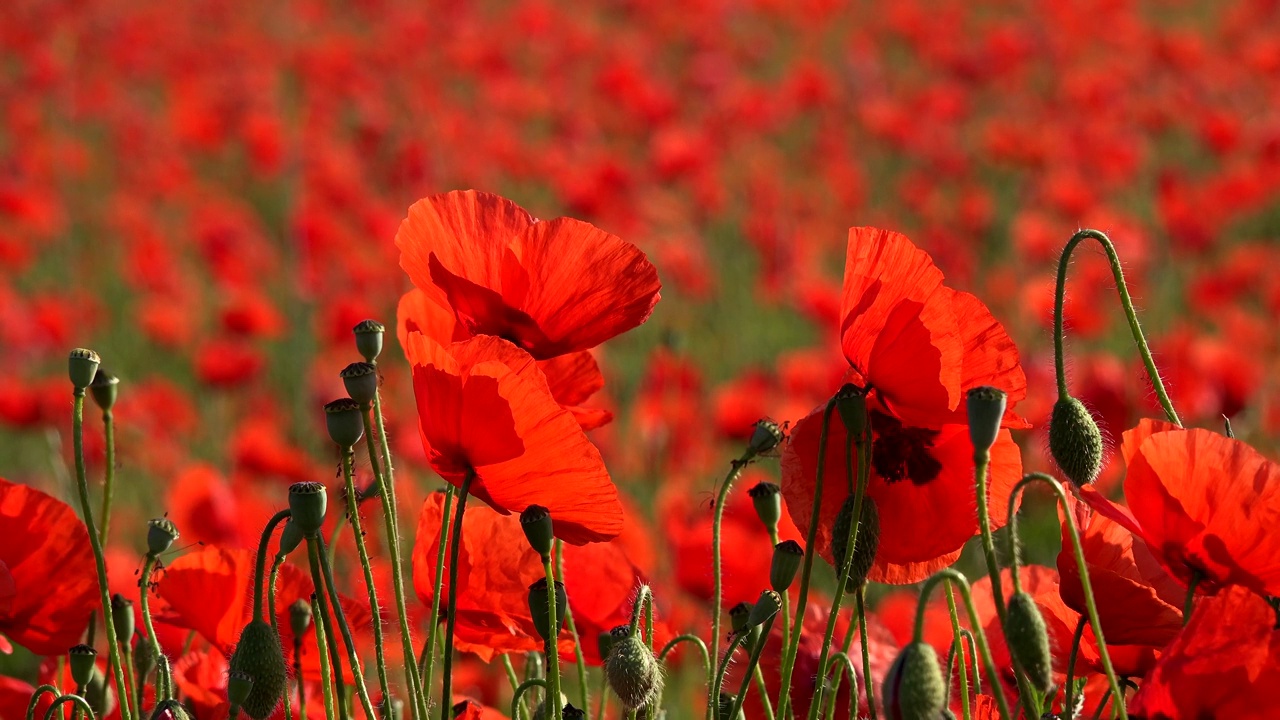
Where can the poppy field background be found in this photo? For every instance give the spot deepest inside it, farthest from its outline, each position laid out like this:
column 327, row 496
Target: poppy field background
column 208, row 193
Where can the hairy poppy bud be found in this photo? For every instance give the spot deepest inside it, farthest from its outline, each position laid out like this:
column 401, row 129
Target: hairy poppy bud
column 290, row 538
column 738, row 615
column 100, row 696
column 369, row 339
column 986, row 411
column 536, row 523
column 865, row 545
column 144, row 659
column 765, row 437
column 361, row 381
column 725, row 709
column 161, row 535
column 82, row 659
column 308, row 503
column 239, row 686
column 604, row 642
column 787, row 558
column 122, row 617
column 259, row 656
column 82, row 366
column 345, row 422
column 300, row 615
column 851, row 403
column 104, row 389
column 767, row 498
column 633, row 672
column 766, row 607
column 1028, row 639
column 538, row 608
column 913, row 688
column 1075, row 441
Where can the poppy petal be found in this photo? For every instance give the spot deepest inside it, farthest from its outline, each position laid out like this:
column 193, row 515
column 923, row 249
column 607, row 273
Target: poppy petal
column 464, row 230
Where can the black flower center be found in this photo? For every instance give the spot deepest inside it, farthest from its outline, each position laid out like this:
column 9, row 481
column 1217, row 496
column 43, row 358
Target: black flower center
column 902, row 453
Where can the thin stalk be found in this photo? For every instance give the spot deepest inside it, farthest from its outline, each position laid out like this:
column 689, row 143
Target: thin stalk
column 1189, row 604
column 525, row 687
column 45, row 689
column 348, row 640
column 554, row 711
column 958, row 649
column 108, row 483
column 126, row 653
column 353, row 511
column 735, row 469
column 981, row 463
column 322, row 644
column 723, row 668
column 275, row 625
column 689, row 638
column 297, row 676
column 753, row 665
column 868, row 687
column 81, row 704
column 841, row 661
column 329, row 639
column 260, row 566
column 954, row 577
column 785, row 627
column 573, row 630
column 429, row 647
column 148, row 566
column 1071, row 668
column 515, row 683
column 446, row 697
column 604, row 698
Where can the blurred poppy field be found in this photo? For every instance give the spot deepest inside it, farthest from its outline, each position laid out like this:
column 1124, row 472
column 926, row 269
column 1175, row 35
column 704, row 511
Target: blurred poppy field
column 731, row 325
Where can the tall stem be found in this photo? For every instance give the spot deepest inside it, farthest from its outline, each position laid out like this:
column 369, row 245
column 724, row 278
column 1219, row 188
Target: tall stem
column 868, row 684
column 145, row 590
column 735, row 469
column 315, row 557
column 446, row 698
column 353, row 511
column 1067, row 710
column 275, row 625
column 573, row 630
column 340, row 617
column 954, row 577
column 958, row 639
column 752, row 666
column 321, row 619
column 981, row 463
column 429, row 647
column 552, row 651
column 108, row 484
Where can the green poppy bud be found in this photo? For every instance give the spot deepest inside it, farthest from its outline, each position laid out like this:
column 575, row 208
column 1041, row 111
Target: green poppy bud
column 345, row 422
column 144, row 659
column 161, row 535
column 100, row 695
column 913, row 688
column 539, row 611
column 787, row 558
column 300, row 615
column 104, row 389
column 865, row 545
column 290, row 538
column 536, row 523
column 766, row 436
column 308, row 503
column 986, row 407
column 82, row 659
column 766, row 607
column 82, row 366
column 361, row 381
column 633, row 672
column 1075, row 441
column 767, row 497
column 738, row 615
column 1028, row 639
column 851, row 403
column 369, row 339
column 122, row 617
column 259, row 656
column 239, row 686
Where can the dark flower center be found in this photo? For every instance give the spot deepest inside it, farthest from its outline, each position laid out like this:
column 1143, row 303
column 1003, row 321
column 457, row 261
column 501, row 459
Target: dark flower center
column 902, row 453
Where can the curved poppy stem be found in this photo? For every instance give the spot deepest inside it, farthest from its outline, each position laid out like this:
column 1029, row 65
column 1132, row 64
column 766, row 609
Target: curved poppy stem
column 957, row 649
column 353, row 512
column 1085, row 585
column 1189, row 604
column 954, row 577
column 689, row 638
column 723, row 668
column 45, row 689
column 580, row 660
column 260, row 564
column 446, row 698
column 426, row 669
column 322, row 645
column 1117, row 272
column 735, row 469
column 842, row 661
column 793, row 646
column 82, row 706
column 82, row 487
column 753, row 665
column 643, row 602
column 1067, row 709
column 149, row 566
column 108, row 483
column 868, row 686
column 520, row 691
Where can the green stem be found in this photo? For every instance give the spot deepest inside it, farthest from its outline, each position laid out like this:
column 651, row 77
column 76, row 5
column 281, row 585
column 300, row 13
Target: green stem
column 953, row 576
column 841, row 661
column 45, row 689
column 973, row 660
column 753, row 665
column 515, row 683
column 524, row 687
column 329, row 640
column 81, row 704
column 319, row 622
column 126, row 653
column 108, row 485
column 868, row 686
column 1135, row 327
column 735, row 469
column 148, row 566
column 260, row 566
column 573, row 630
column 275, row 625
column 446, row 698
column 723, row 668
column 604, row 697
column 785, row 627
column 958, row 649
column 297, row 676
column 643, row 599
column 429, row 648
column 554, row 711
column 1189, row 604
column 340, row 617
column 1067, row 710
column 981, row 463
column 689, row 638
column 82, row 486
column 353, row 511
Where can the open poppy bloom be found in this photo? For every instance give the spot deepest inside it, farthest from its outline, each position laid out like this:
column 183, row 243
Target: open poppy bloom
column 484, row 408
column 551, row 287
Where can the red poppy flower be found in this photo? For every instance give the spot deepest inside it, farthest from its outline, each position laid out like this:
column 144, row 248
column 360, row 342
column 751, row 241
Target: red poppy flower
column 551, row 287
column 50, row 567
column 484, row 407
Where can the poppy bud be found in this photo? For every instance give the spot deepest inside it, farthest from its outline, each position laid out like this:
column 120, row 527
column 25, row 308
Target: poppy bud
column 122, row 617
column 300, row 615
column 766, row 607
column 1028, row 639
column 144, row 659
column 913, row 688
column 308, row 502
column 851, row 403
column 986, row 411
column 239, row 685
column 573, row 713
column 345, row 422
column 100, row 696
column 767, row 498
column 725, row 709
column 787, row 557
column 259, row 656
column 604, row 642
column 161, row 535
column 865, row 545
column 361, row 381
column 765, row 437
column 536, row 523
column 103, row 389
column 738, row 615
column 82, row 659
column 1075, row 441
column 82, row 366
column 538, row 608
column 633, row 672
column 290, row 538
column 369, row 339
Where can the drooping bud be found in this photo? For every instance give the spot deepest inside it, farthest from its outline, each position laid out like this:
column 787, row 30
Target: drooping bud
column 161, row 535
column 122, row 617
column 986, row 406
column 766, row 607
column 361, row 381
column 239, row 686
column 259, row 656
column 345, row 422
column 290, row 538
column 82, row 659
column 82, row 366
column 765, row 437
column 767, row 497
column 1028, row 639
column 633, row 672
column 913, row 688
column 851, row 403
column 865, row 545
column 787, row 558
column 535, row 520
column 738, row 615
column 1075, row 441
column 104, row 389
column 539, row 611
column 369, row 339
column 300, row 615
column 308, row 503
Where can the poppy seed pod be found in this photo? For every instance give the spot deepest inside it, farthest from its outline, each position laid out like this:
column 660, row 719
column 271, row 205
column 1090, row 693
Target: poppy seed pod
column 766, row 607
column 82, row 366
column 161, row 535
column 738, row 615
column 259, row 656
column 986, row 407
column 361, row 381
column 308, row 503
column 766, row 436
column 1075, row 441
column 290, row 538
column 767, row 497
column 913, row 688
column 82, row 659
column 122, row 617
column 865, row 545
column 851, row 403
column 345, row 422
column 787, row 558
column 300, row 615
column 538, row 608
column 1028, row 638
column 633, row 672
column 104, row 389
column 369, row 339
column 535, row 520
column 239, row 686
